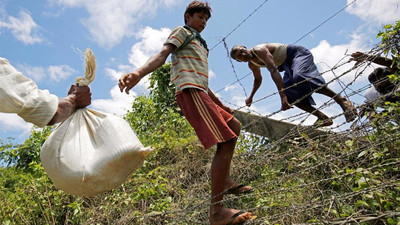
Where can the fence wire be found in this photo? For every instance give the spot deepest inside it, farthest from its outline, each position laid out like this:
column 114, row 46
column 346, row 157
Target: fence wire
column 300, row 179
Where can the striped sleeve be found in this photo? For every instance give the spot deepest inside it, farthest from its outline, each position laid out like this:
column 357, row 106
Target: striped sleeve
column 178, row 36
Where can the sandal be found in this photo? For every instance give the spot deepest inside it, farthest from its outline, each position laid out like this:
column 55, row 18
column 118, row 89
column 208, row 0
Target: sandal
column 237, row 190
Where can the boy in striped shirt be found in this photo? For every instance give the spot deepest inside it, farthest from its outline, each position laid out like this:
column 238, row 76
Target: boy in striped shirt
column 212, row 121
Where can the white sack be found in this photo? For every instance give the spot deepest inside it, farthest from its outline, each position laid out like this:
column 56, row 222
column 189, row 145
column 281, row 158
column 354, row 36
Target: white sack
column 91, row 152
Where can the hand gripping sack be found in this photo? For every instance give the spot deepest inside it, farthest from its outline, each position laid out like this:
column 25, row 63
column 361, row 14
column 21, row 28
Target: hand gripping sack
column 91, row 152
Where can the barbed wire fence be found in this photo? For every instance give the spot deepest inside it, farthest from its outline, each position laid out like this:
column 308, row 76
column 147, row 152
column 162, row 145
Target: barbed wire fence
column 305, row 181
column 311, row 177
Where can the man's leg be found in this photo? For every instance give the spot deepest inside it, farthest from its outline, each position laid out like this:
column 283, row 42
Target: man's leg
column 323, row 120
column 350, row 112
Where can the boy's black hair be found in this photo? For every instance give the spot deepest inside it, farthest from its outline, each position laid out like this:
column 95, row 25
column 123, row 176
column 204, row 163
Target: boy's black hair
column 379, row 74
column 198, row 6
column 379, row 78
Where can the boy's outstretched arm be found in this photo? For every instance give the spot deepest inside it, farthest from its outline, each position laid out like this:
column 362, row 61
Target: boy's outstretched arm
column 129, row 80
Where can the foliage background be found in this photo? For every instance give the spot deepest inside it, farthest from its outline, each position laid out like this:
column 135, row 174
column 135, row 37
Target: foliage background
column 347, row 177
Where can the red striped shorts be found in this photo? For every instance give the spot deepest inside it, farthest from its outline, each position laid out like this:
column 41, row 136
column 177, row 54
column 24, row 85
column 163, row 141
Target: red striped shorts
column 210, row 122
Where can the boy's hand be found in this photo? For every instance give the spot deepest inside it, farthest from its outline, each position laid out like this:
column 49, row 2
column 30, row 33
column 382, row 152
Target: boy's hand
column 128, row 81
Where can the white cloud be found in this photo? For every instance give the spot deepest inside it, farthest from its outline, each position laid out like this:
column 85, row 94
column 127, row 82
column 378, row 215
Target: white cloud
column 23, row 28
column 373, row 11
column 118, row 104
column 36, row 73
column 151, row 41
column 59, row 73
column 230, row 87
column 55, row 73
column 113, row 74
column 211, row 74
column 13, row 123
column 111, row 21
column 327, row 56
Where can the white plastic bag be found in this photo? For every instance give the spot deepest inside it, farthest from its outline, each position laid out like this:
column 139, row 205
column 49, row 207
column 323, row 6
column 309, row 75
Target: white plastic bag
column 91, row 152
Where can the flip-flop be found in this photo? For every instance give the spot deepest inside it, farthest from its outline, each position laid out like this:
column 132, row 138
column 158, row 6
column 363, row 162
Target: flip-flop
column 236, row 190
column 234, row 217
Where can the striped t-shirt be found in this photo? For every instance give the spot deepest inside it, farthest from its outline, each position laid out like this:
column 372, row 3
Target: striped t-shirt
column 20, row 95
column 189, row 67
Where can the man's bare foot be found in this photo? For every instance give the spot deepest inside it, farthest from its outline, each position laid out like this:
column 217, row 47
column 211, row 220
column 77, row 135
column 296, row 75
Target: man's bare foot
column 350, row 113
column 226, row 216
column 323, row 122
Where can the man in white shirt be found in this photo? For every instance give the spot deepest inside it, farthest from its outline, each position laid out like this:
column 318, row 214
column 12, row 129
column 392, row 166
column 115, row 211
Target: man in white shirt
column 382, row 90
column 371, row 94
column 20, row 95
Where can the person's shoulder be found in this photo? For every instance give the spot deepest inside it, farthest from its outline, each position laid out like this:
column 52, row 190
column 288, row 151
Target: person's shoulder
column 181, row 29
column 180, row 32
column 264, row 46
column 178, row 28
column 178, row 36
column 261, row 48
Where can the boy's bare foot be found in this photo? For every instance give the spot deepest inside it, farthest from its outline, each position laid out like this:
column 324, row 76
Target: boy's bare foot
column 350, row 113
column 227, row 216
column 238, row 189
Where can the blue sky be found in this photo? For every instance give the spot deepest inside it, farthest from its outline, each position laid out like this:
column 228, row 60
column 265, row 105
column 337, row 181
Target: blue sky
column 46, row 41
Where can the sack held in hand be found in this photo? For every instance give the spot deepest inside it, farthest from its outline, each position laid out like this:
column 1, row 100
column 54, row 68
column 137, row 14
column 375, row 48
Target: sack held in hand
column 91, row 152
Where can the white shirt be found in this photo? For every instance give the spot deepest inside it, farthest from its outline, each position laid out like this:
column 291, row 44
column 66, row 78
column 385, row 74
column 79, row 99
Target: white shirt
column 371, row 94
column 20, row 95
